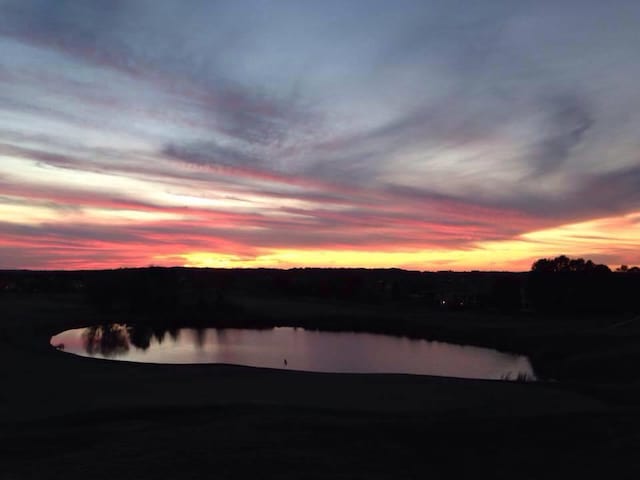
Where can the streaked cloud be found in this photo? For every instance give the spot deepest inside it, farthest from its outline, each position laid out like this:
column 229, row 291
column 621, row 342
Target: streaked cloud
column 412, row 133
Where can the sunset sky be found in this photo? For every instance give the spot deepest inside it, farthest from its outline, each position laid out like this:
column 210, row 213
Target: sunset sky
column 420, row 134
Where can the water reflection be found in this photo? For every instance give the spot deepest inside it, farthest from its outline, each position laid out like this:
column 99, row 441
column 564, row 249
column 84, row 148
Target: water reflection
column 293, row 348
column 106, row 340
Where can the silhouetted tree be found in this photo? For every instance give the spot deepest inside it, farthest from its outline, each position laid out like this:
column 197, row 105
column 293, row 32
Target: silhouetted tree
column 566, row 264
column 572, row 285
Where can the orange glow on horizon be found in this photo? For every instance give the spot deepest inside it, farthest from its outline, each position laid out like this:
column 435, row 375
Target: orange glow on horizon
column 616, row 237
column 61, row 221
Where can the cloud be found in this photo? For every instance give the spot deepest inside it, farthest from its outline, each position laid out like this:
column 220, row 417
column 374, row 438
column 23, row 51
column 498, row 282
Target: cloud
column 211, row 154
column 160, row 53
column 616, row 191
column 346, row 125
column 566, row 121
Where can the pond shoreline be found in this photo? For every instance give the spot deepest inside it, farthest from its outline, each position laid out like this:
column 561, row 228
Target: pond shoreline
column 292, row 348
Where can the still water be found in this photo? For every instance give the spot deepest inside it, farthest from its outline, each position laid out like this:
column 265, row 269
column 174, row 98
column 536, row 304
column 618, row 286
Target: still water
column 294, row 349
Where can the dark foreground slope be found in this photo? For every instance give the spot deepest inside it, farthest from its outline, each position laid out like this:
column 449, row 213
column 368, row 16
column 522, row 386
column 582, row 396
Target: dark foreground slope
column 68, row 417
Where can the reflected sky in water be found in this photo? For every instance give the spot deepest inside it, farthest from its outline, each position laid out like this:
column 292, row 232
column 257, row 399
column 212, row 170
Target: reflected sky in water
column 292, row 348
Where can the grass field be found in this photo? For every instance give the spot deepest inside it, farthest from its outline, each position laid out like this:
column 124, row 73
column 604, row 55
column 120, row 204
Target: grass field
column 69, row 417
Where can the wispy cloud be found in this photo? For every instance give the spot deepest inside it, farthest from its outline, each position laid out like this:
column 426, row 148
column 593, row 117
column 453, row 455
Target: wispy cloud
column 155, row 129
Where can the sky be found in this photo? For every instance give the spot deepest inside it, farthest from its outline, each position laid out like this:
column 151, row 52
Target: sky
column 429, row 135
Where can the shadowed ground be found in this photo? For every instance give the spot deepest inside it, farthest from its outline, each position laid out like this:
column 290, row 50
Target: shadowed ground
column 69, row 417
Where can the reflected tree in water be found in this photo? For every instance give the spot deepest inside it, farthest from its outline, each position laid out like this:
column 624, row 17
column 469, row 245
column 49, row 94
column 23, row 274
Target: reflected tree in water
column 159, row 332
column 111, row 340
column 174, row 333
column 107, row 340
column 199, row 337
column 140, row 336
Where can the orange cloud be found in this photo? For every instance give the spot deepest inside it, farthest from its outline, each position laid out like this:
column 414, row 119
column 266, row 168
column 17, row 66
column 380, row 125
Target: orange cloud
column 612, row 240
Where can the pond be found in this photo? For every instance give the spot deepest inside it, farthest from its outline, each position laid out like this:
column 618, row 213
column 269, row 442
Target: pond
column 294, row 349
